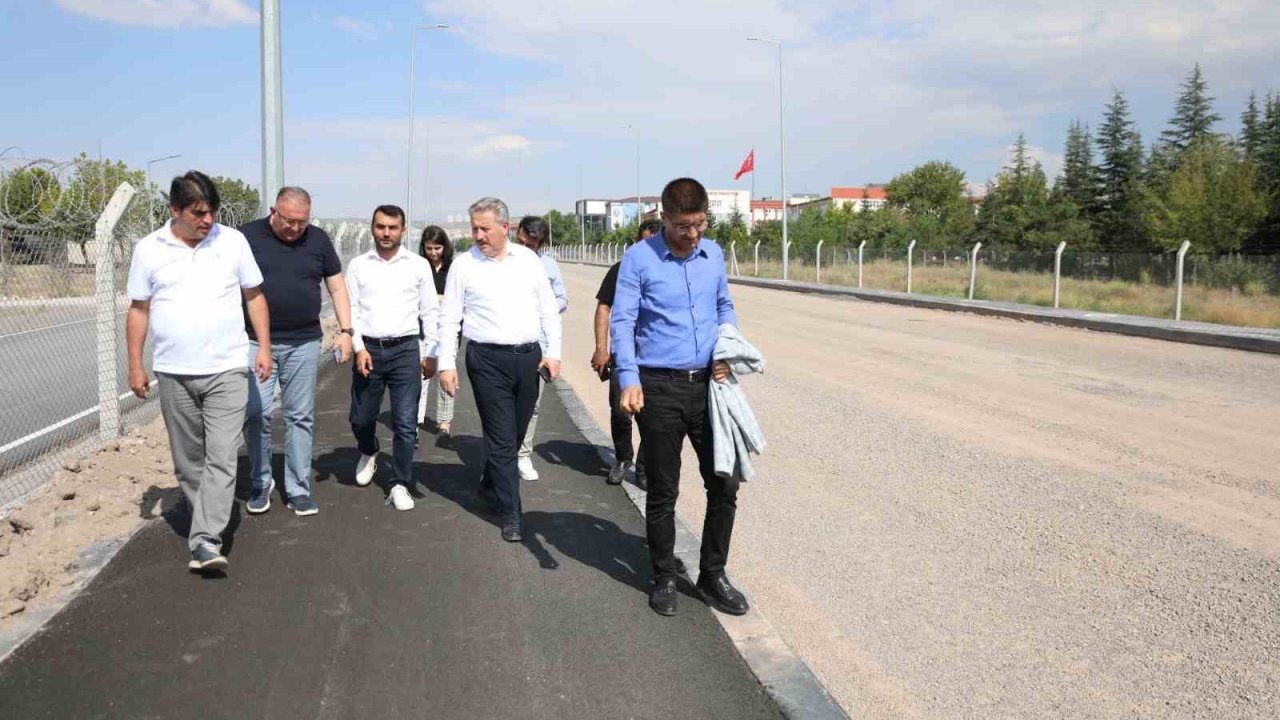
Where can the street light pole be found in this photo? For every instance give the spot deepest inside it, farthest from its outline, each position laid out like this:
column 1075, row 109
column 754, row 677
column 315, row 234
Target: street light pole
column 151, row 195
column 272, row 106
column 408, row 183
column 636, row 134
column 782, row 156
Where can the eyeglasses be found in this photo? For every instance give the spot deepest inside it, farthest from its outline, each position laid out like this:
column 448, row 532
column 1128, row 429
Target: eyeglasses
column 688, row 228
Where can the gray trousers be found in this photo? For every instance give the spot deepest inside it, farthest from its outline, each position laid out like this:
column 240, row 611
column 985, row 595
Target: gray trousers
column 204, row 415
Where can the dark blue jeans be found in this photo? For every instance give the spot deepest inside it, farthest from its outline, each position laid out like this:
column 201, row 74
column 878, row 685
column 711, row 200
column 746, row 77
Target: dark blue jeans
column 398, row 369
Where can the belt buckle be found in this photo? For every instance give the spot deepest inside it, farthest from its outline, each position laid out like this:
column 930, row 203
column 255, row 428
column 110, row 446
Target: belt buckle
column 691, row 375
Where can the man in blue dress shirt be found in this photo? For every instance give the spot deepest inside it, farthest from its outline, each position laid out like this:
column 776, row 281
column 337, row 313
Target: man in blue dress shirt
column 672, row 296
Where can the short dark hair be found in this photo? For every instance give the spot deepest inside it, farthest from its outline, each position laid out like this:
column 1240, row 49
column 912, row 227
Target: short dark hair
column 295, row 192
column 683, row 196
column 194, row 187
column 390, row 211
column 536, row 228
column 435, row 235
column 653, row 226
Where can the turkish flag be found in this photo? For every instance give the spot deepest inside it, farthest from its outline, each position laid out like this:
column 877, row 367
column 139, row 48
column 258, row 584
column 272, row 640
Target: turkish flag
column 748, row 165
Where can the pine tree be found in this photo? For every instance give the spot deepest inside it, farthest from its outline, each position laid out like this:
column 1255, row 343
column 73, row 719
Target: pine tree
column 1079, row 182
column 1193, row 115
column 1268, row 157
column 1250, row 130
column 1119, row 172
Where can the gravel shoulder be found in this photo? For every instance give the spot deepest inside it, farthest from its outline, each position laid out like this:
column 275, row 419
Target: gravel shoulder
column 961, row 516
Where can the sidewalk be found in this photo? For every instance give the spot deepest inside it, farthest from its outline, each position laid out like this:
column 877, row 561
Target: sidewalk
column 365, row 612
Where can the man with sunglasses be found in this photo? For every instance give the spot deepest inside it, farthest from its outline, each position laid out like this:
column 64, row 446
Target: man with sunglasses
column 671, row 299
column 295, row 258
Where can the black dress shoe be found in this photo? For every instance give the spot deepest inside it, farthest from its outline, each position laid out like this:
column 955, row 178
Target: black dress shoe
column 511, row 529
column 719, row 593
column 663, row 597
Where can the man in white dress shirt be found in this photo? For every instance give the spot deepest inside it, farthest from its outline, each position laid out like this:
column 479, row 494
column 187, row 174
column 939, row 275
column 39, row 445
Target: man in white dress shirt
column 391, row 291
column 498, row 293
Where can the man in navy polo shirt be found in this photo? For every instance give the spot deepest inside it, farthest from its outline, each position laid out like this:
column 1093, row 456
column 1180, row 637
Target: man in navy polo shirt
column 295, row 257
column 672, row 297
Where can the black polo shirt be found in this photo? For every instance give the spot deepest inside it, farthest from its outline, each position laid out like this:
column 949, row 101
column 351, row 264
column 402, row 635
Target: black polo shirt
column 609, row 287
column 291, row 278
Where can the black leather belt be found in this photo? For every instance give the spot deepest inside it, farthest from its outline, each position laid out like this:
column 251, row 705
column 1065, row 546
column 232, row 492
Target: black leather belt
column 386, row 342
column 690, row 376
column 520, row 349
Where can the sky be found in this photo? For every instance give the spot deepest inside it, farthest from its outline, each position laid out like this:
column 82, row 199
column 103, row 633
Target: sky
column 542, row 103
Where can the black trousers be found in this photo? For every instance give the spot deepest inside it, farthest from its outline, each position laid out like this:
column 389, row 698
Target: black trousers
column 675, row 409
column 398, row 369
column 504, row 379
column 620, row 424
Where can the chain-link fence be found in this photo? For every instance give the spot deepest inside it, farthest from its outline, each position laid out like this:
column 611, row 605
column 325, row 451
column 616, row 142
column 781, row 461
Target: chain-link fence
column 67, row 232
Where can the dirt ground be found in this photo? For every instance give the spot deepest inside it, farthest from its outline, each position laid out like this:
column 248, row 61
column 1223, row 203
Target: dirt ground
column 960, row 516
column 91, row 499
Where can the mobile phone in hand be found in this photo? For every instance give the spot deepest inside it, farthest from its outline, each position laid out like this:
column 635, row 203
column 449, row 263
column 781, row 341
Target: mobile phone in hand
column 544, row 371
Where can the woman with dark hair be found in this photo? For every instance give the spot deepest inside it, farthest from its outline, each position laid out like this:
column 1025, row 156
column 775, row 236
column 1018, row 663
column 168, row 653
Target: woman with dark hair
column 438, row 250
column 535, row 234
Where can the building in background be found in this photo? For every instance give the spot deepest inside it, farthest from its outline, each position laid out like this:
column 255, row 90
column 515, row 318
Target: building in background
column 593, row 214
column 623, row 211
column 722, row 204
column 871, row 197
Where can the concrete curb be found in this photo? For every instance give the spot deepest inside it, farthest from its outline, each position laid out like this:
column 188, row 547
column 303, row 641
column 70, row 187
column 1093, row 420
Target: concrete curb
column 790, row 683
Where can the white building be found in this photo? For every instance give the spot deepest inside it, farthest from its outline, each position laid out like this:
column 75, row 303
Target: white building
column 722, row 204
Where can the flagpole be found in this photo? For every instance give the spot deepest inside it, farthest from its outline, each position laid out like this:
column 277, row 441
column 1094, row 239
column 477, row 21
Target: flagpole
column 751, row 214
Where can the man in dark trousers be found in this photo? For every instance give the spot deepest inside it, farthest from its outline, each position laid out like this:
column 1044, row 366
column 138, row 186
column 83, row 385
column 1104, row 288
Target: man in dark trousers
column 672, row 296
column 603, row 362
column 295, row 258
column 498, row 294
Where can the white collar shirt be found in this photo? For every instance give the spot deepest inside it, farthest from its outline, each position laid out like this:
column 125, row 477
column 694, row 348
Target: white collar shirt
column 194, row 297
column 505, row 301
column 393, row 298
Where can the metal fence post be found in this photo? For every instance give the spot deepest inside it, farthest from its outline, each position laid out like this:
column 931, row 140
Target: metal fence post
column 1057, row 272
column 757, row 251
column 733, row 258
column 911, row 250
column 973, row 268
column 105, row 302
column 1182, row 257
column 861, row 246
column 817, row 264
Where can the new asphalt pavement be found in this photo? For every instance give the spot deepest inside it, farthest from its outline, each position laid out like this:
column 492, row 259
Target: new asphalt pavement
column 366, row 612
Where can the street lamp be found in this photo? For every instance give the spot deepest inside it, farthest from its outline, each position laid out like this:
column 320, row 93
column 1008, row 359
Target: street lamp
column 782, row 154
column 151, row 196
column 408, row 184
column 636, row 134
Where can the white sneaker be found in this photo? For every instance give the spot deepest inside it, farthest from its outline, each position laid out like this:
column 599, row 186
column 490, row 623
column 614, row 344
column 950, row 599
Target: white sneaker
column 525, row 465
column 400, row 498
column 365, row 469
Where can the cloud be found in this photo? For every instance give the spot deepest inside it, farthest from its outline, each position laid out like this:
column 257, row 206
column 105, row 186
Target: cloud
column 165, row 13
column 871, row 88
column 360, row 28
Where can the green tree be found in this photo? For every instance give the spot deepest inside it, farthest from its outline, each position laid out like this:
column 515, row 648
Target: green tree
column 1016, row 203
column 28, row 196
column 1118, row 219
column 1193, row 115
column 1211, row 200
column 932, row 198
column 240, row 201
column 1251, row 129
column 1079, row 181
column 564, row 228
column 87, row 195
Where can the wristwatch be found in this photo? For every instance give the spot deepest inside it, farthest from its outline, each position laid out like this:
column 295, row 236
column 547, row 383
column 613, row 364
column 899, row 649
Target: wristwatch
column 348, row 331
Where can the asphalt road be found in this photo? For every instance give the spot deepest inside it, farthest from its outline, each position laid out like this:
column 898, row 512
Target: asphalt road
column 365, row 612
column 969, row 517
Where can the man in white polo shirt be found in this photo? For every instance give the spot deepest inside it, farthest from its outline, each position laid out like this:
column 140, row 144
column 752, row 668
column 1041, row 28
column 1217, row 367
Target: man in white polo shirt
column 185, row 286
column 498, row 293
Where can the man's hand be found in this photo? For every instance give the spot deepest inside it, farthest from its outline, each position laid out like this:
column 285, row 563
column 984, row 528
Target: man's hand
column 428, row 367
column 343, row 343
column 551, row 364
column 720, row 371
column 262, row 363
column 632, row 400
column 600, row 362
column 364, row 363
column 449, row 382
column 139, row 383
